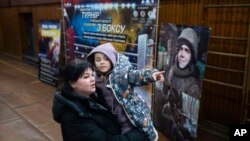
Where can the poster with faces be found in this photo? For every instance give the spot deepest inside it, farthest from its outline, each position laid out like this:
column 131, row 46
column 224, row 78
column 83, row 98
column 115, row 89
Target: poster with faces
column 49, row 51
column 182, row 54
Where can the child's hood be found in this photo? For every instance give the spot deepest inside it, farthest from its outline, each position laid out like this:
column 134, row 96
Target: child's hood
column 107, row 49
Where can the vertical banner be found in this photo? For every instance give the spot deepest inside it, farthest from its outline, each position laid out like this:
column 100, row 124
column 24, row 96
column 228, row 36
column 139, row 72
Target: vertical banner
column 182, row 54
column 89, row 23
column 49, row 51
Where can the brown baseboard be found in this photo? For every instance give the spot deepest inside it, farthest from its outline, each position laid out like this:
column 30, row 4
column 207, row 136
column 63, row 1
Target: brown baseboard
column 11, row 56
column 214, row 128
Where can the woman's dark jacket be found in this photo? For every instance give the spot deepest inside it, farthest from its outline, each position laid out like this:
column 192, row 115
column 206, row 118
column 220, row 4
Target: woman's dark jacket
column 82, row 119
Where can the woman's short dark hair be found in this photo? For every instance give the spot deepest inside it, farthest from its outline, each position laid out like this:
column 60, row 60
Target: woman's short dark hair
column 72, row 71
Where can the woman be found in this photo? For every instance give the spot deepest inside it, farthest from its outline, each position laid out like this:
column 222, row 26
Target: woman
column 80, row 116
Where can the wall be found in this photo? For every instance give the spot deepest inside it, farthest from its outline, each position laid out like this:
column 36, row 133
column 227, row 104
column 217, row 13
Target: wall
column 10, row 30
column 4, row 3
column 1, row 37
column 9, row 19
column 32, row 2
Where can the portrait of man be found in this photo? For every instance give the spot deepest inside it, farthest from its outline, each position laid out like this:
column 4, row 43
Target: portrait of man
column 176, row 102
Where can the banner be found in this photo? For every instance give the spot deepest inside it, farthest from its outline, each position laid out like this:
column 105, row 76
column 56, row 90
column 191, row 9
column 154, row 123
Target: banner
column 49, row 51
column 182, row 54
column 130, row 25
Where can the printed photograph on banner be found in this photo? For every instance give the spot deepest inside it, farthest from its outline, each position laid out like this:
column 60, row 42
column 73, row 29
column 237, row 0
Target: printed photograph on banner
column 49, row 50
column 129, row 25
column 182, row 54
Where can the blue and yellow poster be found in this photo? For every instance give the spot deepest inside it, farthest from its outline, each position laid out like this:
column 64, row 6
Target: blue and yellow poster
column 49, row 51
column 130, row 25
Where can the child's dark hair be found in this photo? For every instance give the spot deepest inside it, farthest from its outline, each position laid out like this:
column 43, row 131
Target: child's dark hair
column 72, row 71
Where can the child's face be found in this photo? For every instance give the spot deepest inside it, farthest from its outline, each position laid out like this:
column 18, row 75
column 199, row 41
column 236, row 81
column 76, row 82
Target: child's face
column 102, row 62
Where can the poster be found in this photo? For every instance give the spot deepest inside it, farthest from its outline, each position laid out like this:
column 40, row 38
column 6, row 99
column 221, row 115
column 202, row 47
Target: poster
column 130, row 25
column 49, row 51
column 182, row 54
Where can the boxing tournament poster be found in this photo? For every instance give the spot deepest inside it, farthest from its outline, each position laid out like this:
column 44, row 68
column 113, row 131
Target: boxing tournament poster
column 130, row 25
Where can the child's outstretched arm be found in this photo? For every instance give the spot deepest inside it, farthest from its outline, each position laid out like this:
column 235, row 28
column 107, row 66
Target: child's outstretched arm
column 144, row 77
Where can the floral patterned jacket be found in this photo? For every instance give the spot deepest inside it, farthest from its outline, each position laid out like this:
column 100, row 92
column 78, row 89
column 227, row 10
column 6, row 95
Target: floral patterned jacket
column 122, row 80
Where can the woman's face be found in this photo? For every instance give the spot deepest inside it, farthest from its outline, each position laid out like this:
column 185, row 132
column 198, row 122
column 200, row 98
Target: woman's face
column 85, row 84
column 184, row 56
column 102, row 62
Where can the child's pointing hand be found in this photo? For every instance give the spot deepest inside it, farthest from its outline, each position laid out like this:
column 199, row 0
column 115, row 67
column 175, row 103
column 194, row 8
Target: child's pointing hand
column 158, row 76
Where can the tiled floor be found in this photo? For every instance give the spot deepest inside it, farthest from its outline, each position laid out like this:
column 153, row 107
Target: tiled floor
column 25, row 105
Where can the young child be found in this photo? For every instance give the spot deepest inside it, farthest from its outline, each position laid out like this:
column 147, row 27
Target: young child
column 115, row 82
